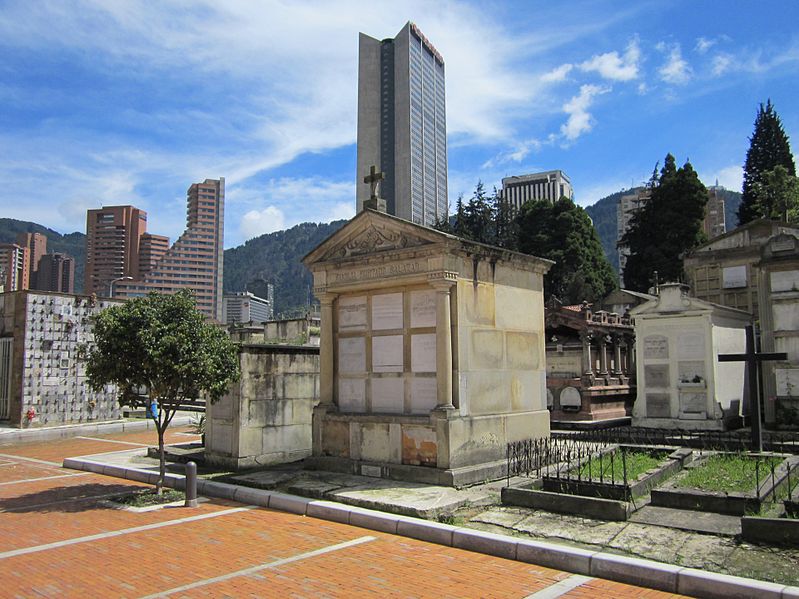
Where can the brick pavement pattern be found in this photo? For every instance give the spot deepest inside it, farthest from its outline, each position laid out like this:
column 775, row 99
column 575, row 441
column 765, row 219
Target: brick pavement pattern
column 60, row 540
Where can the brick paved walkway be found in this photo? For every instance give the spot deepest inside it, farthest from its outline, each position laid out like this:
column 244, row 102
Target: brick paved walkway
column 59, row 540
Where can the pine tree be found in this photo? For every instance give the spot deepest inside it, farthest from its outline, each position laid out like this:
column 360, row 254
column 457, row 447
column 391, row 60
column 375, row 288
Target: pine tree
column 768, row 148
column 667, row 226
column 563, row 232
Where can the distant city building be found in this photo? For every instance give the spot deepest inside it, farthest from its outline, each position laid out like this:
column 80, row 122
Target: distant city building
column 14, row 261
column 36, row 244
column 195, row 260
column 549, row 185
column 402, row 125
column 56, row 272
column 151, row 249
column 715, row 214
column 113, row 236
column 243, row 306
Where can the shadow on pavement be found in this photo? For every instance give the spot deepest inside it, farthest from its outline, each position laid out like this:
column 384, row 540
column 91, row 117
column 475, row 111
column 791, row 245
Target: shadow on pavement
column 77, row 498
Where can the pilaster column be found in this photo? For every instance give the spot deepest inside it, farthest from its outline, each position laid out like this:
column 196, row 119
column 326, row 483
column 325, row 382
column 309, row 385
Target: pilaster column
column 603, row 355
column 443, row 284
column 326, row 348
column 588, row 364
column 618, row 370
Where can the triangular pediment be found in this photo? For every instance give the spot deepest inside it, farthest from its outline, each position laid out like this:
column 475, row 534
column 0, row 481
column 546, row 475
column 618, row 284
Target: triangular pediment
column 373, row 232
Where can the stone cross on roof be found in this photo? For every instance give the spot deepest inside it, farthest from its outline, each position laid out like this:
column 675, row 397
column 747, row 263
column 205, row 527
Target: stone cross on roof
column 373, row 178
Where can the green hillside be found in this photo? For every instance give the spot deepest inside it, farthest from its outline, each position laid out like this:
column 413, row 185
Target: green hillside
column 73, row 244
column 275, row 258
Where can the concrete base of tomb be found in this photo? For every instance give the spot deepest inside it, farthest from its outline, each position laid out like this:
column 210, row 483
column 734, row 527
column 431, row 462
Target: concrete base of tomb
column 443, row 448
column 687, row 425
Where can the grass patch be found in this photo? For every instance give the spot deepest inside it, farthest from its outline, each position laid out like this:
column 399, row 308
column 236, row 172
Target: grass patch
column 728, row 473
column 148, row 497
column 636, row 463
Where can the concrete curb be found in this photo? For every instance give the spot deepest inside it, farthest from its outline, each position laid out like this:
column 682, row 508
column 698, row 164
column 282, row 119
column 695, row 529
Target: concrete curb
column 640, row 572
column 33, row 435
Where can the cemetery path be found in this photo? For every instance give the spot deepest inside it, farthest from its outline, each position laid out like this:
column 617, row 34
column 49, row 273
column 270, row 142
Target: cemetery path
column 61, row 539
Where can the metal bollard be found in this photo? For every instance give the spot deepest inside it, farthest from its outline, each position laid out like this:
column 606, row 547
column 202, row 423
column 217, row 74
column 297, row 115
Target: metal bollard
column 191, row 485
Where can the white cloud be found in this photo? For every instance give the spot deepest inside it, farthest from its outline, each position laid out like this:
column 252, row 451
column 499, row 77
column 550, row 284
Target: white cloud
column 344, row 210
column 614, row 67
column 730, row 177
column 704, row 44
column 675, row 70
column 516, row 154
column 580, row 120
column 720, row 64
column 259, row 222
column 557, row 74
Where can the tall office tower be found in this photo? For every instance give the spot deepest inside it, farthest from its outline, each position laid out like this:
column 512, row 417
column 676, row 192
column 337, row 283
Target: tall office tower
column 14, row 262
column 151, row 249
column 56, row 272
column 37, row 247
column 113, row 235
column 195, row 260
column 243, row 306
column 550, row 185
column 402, row 125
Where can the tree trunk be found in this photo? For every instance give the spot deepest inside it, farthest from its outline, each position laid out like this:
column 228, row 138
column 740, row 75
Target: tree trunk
column 159, row 486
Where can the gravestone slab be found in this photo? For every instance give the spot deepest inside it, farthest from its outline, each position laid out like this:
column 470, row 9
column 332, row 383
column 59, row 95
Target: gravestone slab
column 658, row 405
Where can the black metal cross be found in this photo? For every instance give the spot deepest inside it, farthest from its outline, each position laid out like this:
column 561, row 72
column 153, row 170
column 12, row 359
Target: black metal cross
column 752, row 357
column 373, row 178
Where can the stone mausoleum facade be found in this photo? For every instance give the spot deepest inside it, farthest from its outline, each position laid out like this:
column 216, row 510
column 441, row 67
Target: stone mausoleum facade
column 431, row 352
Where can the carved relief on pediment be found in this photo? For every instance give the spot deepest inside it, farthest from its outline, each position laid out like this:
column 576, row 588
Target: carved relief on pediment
column 374, row 239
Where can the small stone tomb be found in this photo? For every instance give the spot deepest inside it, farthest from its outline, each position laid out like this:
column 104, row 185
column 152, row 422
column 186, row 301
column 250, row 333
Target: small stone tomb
column 681, row 383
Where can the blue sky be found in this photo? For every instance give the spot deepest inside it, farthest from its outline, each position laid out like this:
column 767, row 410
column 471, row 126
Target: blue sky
column 129, row 102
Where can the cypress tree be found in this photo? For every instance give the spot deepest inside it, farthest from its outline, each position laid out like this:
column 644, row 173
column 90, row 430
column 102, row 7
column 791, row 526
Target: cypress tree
column 667, row 226
column 768, row 148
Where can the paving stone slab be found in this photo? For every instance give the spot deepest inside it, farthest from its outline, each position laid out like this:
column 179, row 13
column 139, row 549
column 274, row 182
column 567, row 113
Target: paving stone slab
column 650, row 542
column 570, row 528
column 709, row 522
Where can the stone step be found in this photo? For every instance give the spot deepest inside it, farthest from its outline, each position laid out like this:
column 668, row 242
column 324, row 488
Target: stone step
column 707, row 522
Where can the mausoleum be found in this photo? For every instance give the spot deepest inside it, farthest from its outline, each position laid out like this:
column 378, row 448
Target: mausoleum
column 431, row 352
column 681, row 383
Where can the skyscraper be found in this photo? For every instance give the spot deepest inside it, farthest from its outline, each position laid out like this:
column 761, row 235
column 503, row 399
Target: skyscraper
column 402, row 124
column 56, row 272
column 549, row 185
column 113, row 235
column 14, row 266
column 37, row 247
column 195, row 260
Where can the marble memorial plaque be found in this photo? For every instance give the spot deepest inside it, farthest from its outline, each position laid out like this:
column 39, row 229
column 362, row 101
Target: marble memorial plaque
column 693, row 403
column 351, row 355
column 785, row 280
column 387, row 354
column 423, row 353
column 691, row 371
column 658, row 405
column 787, row 382
column 352, row 395
column 352, row 313
column 423, row 308
column 691, row 346
column 566, row 365
column 387, row 311
column 656, row 375
column 656, row 347
column 388, row 395
column 423, row 394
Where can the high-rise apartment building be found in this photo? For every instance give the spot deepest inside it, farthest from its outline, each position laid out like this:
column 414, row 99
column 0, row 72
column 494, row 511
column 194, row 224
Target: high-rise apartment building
column 549, row 185
column 402, row 125
column 14, row 264
column 36, row 243
column 113, row 236
column 151, row 249
column 56, row 272
column 195, row 260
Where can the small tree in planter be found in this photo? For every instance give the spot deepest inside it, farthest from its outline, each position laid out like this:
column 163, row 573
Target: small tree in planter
column 159, row 351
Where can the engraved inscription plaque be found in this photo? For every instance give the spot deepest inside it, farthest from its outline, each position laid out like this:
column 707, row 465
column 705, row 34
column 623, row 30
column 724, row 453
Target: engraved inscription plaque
column 351, row 395
column 656, row 375
column 658, row 405
column 387, row 311
column 352, row 355
column 656, row 347
column 423, row 353
column 352, row 313
column 693, row 403
column 691, row 346
column 423, row 394
column 388, row 395
column 423, row 308
column 387, row 354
